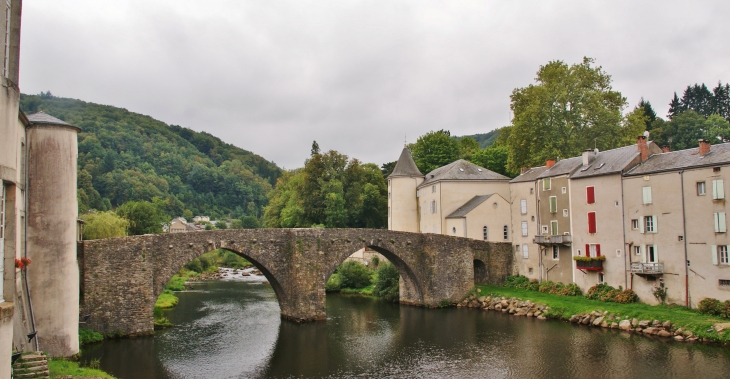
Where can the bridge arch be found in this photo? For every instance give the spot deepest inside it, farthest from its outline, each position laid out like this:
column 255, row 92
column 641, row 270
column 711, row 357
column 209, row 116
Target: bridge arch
column 122, row 277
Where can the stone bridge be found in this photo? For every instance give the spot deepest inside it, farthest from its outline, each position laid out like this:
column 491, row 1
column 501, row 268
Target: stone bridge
column 122, row 277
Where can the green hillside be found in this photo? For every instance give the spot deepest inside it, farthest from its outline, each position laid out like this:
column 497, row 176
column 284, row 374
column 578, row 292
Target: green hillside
column 484, row 139
column 128, row 156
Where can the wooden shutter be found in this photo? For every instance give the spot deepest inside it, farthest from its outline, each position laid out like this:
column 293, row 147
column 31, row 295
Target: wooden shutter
column 716, row 217
column 646, row 192
column 643, row 253
column 591, row 222
column 588, row 250
column 553, row 204
column 598, row 250
column 654, row 224
column 721, row 222
column 641, row 224
column 718, row 189
column 713, row 252
column 590, row 194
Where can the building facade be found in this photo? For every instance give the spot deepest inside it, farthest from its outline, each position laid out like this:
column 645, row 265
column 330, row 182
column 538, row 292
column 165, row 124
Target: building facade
column 523, row 205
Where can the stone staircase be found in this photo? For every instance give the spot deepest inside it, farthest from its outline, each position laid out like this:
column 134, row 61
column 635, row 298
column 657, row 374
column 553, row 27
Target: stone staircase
column 31, row 365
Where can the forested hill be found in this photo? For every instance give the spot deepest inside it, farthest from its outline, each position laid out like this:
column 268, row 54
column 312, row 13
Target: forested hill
column 484, row 139
column 127, row 156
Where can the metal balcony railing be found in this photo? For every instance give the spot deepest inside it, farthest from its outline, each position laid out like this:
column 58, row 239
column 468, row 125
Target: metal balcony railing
column 560, row 239
column 647, row 268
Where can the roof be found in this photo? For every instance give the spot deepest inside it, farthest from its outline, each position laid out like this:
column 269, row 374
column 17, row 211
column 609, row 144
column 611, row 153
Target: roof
column 44, row 118
column 469, row 206
column 405, row 165
column 530, row 175
column 681, row 159
column 563, row 167
column 612, row 161
column 461, row 170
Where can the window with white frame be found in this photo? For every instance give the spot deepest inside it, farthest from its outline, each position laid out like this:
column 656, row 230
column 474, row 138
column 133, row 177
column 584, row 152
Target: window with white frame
column 722, row 256
column 524, row 228
column 525, row 251
column 523, row 206
column 650, row 224
column 433, row 206
column 637, row 250
column 544, row 229
column 532, row 191
column 593, row 250
column 554, row 228
column 564, row 190
column 506, row 232
column 433, row 189
column 651, row 254
column 718, row 189
column 553, row 204
column 556, row 252
column 701, row 190
column 635, row 224
column 565, row 213
column 485, row 232
column 546, row 184
column 646, row 194
column 720, row 226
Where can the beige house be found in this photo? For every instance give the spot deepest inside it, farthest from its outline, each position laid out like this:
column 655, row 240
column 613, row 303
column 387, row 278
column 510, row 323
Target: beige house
column 596, row 202
column 180, row 225
column 676, row 224
column 553, row 210
column 523, row 201
column 483, row 217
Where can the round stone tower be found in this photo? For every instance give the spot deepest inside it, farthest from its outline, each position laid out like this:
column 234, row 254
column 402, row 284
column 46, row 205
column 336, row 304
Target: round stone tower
column 402, row 199
column 52, row 233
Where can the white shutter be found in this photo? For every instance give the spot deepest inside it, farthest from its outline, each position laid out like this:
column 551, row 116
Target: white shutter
column 646, row 191
column 654, row 224
column 641, row 224
column 525, row 252
column 716, row 218
column 523, row 206
column 721, row 222
column 656, row 254
column 718, row 189
column 713, row 252
column 643, row 254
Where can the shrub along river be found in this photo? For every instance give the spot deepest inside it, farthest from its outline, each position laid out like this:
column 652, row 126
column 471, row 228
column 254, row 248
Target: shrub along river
column 232, row 329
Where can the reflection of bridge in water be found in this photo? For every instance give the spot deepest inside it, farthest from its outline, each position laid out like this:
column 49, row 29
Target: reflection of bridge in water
column 122, row 277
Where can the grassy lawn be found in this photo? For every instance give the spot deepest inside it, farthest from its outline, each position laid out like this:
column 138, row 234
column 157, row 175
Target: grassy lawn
column 367, row 291
column 60, row 367
column 562, row 307
column 166, row 300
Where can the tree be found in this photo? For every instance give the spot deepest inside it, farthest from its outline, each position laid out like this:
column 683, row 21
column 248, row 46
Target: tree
column 675, row 107
column 103, row 225
column 468, row 147
column 648, row 112
column 144, row 217
column 718, row 129
column 249, row 222
column 387, row 285
column 434, row 149
column 387, row 168
column 569, row 109
column 493, row 158
column 315, row 148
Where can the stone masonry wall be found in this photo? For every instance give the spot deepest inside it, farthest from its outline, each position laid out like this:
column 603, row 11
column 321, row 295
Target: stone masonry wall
column 124, row 276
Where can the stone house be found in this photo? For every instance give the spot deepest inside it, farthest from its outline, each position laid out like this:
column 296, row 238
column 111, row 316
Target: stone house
column 198, row 219
column 676, row 224
column 523, row 204
column 180, row 225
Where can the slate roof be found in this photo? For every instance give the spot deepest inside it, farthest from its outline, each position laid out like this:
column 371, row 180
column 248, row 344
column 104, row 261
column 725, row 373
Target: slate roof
column 469, row 206
column 44, row 118
column 681, row 159
column 405, row 165
column 529, row 175
column 611, row 161
column 461, row 170
column 563, row 167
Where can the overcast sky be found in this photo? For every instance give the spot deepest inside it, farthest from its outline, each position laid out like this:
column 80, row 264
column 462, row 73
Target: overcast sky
column 357, row 76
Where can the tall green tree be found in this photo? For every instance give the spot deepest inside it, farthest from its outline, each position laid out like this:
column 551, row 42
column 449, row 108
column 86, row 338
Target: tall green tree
column 144, row 217
column 568, row 109
column 99, row 225
column 434, row 149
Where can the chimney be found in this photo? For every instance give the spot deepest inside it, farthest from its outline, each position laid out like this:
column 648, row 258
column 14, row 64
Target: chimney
column 704, row 147
column 643, row 149
column 524, row 169
column 550, row 163
column 666, row 149
column 588, row 156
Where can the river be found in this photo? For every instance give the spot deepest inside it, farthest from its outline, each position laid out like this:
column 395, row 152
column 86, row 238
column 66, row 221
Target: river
column 232, row 329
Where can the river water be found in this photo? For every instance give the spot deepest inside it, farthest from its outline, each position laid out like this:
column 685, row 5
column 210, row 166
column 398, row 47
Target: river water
column 232, row 329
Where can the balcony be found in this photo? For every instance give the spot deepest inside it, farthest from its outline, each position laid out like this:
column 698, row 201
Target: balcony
column 592, row 265
column 647, row 268
column 560, row 239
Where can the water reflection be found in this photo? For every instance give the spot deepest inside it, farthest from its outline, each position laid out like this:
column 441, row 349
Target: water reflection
column 233, row 330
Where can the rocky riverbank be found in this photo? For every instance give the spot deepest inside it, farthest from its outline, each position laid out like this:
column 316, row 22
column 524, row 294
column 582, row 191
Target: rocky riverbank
column 597, row 318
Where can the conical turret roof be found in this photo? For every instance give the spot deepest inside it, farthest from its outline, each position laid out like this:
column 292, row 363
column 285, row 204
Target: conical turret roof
column 405, row 165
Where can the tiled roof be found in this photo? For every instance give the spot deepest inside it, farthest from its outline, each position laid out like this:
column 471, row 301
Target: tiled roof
column 612, row 161
column 44, row 118
column 461, row 170
column 563, row 167
column 405, row 165
column 681, row 159
column 469, row 206
column 530, row 175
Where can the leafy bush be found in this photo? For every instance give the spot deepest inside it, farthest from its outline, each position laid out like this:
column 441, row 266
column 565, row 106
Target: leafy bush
column 605, row 292
column 387, row 285
column 89, row 336
column 519, row 281
column 626, row 296
column 710, row 306
column 533, row 285
column 725, row 309
column 547, row 286
column 571, row 289
column 354, row 275
column 333, row 283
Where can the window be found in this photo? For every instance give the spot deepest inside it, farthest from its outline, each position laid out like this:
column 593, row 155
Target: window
column 650, row 224
column 718, row 189
column 565, row 213
column 646, row 192
column 556, row 252
column 524, row 228
column 716, row 169
column 591, row 222
column 723, row 282
column 720, row 222
column 722, row 257
column 517, row 248
column 433, row 206
column 590, row 195
column 553, row 204
column 564, row 190
column 532, row 191
column 554, row 228
column 544, row 229
column 523, row 206
column 433, row 189
column 525, row 251
column 635, row 224
column 546, row 184
column 453, row 230
column 601, row 278
column 637, row 250
column 506, row 232
column 593, row 250
column 6, row 61
column 651, row 254
column 701, row 191
column 485, row 231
